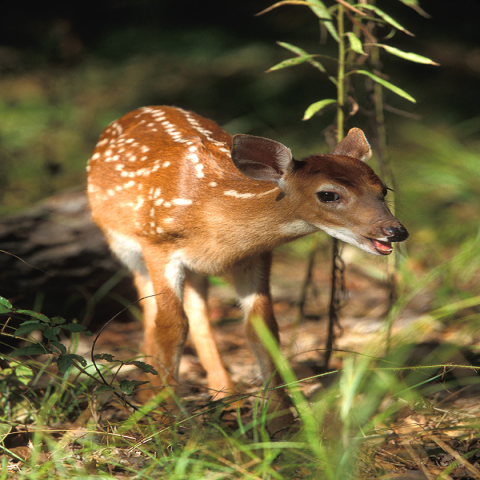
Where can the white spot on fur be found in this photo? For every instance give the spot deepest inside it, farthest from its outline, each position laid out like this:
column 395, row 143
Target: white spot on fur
column 181, row 201
column 139, row 203
column 234, row 193
column 199, row 170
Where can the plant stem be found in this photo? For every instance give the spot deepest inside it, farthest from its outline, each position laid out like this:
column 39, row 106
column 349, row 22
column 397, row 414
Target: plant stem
column 340, row 73
column 334, row 303
column 385, row 172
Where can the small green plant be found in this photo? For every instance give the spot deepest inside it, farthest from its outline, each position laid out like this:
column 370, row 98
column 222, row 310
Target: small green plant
column 51, row 328
column 358, row 57
column 51, row 345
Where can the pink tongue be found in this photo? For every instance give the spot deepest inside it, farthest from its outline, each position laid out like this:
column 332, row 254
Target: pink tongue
column 382, row 246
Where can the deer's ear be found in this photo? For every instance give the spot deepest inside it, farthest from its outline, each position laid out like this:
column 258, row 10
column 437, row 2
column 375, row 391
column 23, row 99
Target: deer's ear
column 259, row 158
column 354, row 145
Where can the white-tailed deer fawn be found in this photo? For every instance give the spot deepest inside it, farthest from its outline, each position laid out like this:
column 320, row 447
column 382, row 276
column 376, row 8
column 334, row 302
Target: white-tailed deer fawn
column 178, row 199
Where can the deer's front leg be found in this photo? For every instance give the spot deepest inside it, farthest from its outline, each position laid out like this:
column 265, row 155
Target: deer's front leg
column 201, row 332
column 252, row 284
column 165, row 323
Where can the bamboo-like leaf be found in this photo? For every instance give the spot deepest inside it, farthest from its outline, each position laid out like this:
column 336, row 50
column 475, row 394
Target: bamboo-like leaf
column 285, row 2
column 385, row 17
column 300, row 52
column 316, row 107
column 414, row 4
column 292, row 48
column 390, row 86
column 321, row 11
column 291, row 62
column 412, row 57
column 355, row 43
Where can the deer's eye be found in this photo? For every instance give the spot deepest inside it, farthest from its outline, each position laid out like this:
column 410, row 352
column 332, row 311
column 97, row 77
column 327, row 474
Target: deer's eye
column 385, row 190
column 328, row 197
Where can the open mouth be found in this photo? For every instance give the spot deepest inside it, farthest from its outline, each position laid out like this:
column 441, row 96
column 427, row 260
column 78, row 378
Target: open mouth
column 383, row 248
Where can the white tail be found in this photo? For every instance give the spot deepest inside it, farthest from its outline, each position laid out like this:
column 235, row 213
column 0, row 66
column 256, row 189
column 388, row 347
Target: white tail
column 178, row 199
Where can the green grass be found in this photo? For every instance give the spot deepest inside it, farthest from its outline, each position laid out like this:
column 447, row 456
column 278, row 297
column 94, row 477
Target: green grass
column 78, row 430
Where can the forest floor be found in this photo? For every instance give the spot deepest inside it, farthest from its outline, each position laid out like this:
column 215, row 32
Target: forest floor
column 423, row 442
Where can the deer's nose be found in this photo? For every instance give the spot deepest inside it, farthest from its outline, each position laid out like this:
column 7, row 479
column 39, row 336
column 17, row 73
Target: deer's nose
column 396, row 234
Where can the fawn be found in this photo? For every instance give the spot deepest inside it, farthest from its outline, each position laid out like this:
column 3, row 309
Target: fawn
column 178, row 199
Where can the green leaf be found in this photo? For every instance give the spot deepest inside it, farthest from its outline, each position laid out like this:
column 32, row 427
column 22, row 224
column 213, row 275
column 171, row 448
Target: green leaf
column 57, row 320
column 316, row 107
column 28, row 327
column 5, row 305
column 104, row 356
column 52, row 332
column 145, row 367
column 81, row 360
column 300, row 52
column 34, row 349
column 355, row 43
column 387, row 18
column 39, row 316
column 128, row 386
column 412, row 57
column 64, row 362
column 75, row 327
column 284, row 2
column 105, row 388
column 291, row 62
column 23, row 372
column 60, row 346
column 293, row 48
column 321, row 11
column 414, row 4
column 390, row 86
